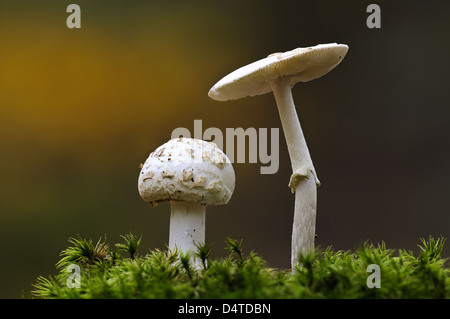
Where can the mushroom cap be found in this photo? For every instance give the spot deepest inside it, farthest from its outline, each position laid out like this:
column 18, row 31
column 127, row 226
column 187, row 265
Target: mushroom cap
column 301, row 65
column 187, row 169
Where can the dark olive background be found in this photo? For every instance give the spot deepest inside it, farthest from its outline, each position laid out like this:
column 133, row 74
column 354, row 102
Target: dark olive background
column 80, row 109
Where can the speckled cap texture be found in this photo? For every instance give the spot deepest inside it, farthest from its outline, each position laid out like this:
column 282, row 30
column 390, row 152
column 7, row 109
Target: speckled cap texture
column 187, row 169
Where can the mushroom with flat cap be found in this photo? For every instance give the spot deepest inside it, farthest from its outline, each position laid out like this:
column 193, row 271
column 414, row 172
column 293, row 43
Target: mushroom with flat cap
column 191, row 174
column 279, row 72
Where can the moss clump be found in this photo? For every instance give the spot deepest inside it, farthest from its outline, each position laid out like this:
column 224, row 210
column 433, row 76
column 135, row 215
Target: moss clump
column 105, row 273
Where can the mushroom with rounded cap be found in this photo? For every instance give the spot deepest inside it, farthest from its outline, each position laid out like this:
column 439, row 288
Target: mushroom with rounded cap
column 191, row 174
column 279, row 72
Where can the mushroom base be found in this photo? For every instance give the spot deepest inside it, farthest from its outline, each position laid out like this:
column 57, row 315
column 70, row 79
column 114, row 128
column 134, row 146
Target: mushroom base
column 304, row 225
column 187, row 226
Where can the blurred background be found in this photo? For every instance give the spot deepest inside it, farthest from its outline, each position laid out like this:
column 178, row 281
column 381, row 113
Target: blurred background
column 80, row 109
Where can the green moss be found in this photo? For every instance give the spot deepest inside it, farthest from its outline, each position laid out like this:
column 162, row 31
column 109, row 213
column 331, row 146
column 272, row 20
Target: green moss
column 105, row 273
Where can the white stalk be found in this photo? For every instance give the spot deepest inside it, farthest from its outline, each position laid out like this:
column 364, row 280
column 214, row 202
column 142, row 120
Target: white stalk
column 304, row 225
column 187, row 227
column 303, row 179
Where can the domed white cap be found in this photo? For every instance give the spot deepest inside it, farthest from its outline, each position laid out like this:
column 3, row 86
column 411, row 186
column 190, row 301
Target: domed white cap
column 187, row 169
column 300, row 65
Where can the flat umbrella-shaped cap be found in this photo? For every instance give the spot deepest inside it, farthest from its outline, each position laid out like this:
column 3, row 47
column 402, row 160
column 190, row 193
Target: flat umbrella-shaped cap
column 300, row 65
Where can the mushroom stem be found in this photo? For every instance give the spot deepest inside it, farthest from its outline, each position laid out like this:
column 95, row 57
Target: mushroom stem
column 304, row 225
column 303, row 179
column 298, row 150
column 187, row 226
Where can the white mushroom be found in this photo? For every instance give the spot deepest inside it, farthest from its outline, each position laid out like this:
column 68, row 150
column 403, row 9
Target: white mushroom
column 191, row 174
column 279, row 72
